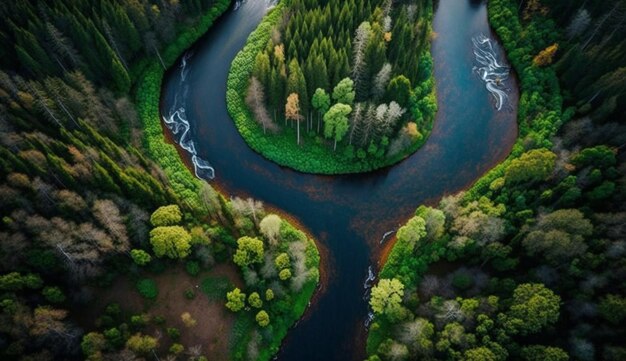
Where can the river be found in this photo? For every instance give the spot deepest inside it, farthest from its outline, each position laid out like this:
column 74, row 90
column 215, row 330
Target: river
column 348, row 214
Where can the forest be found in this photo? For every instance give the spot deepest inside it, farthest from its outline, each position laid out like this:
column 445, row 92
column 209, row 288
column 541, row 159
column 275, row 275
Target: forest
column 93, row 198
column 529, row 262
column 112, row 249
column 333, row 87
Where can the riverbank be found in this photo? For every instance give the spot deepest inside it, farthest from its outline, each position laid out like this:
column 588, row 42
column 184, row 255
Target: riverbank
column 484, row 188
column 314, row 154
column 187, row 187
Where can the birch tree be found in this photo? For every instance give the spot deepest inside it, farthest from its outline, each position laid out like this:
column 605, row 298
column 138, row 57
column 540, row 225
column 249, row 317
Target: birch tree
column 381, row 80
column 255, row 99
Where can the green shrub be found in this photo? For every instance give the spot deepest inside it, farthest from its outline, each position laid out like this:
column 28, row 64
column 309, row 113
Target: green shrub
column 462, row 281
column 147, row 288
column 193, row 268
column 173, row 333
column 190, row 294
column 53, row 294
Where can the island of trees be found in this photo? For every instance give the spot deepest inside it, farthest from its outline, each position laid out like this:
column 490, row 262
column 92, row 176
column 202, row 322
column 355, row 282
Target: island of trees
column 528, row 264
column 336, row 87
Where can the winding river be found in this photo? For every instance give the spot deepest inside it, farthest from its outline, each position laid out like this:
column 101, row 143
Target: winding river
column 348, row 214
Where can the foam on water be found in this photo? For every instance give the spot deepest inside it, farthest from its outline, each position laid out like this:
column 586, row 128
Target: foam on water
column 177, row 123
column 490, row 70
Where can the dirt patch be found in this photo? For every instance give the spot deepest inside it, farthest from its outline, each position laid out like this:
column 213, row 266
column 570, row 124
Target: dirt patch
column 214, row 321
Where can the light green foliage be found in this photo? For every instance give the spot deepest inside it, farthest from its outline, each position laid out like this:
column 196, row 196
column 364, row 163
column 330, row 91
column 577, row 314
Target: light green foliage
column 336, row 122
column 92, row 345
column 434, row 219
column 236, row 300
column 535, row 165
column 413, row 231
column 142, row 344
column 249, row 251
column 479, row 354
column 199, row 236
column 176, row 349
column 344, row 92
column 321, row 101
column 284, row 274
column 166, row 216
column 544, row 353
column 386, row 299
column 535, row 306
column 269, row 294
column 140, row 257
column 254, row 300
column 171, row 241
column 262, row 318
column 282, row 261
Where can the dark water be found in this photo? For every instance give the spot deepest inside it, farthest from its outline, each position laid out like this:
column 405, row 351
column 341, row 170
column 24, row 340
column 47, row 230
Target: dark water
column 349, row 214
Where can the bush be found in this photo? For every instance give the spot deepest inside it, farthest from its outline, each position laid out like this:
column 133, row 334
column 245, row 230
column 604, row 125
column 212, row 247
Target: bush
column 462, row 281
column 53, row 294
column 193, row 268
column 166, row 216
column 147, row 288
column 140, row 257
column 173, row 333
column 190, row 294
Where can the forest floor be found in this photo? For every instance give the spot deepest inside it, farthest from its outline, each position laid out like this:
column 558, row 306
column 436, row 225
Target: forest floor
column 214, row 321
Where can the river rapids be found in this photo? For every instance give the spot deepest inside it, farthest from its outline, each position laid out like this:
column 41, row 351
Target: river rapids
column 490, row 70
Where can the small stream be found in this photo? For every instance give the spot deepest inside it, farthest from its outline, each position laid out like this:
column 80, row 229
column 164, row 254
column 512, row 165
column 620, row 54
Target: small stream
column 351, row 215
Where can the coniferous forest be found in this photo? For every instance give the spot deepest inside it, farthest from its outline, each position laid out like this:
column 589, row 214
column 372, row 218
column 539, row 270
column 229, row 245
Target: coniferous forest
column 114, row 247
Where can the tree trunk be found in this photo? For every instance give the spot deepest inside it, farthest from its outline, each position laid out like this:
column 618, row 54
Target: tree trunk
column 318, row 122
column 159, row 55
column 335, row 147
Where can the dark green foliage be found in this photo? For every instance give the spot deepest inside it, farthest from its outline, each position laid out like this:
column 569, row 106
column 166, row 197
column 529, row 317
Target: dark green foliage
column 216, row 288
column 192, row 267
column 53, row 294
column 147, row 288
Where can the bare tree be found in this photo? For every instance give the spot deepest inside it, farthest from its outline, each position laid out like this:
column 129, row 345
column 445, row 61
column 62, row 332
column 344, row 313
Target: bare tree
column 356, row 121
column 63, row 46
column 359, row 46
column 108, row 215
column 255, row 99
column 579, row 23
column 381, row 80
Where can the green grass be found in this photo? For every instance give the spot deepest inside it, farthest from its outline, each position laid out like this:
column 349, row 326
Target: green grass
column 216, row 287
column 314, row 154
